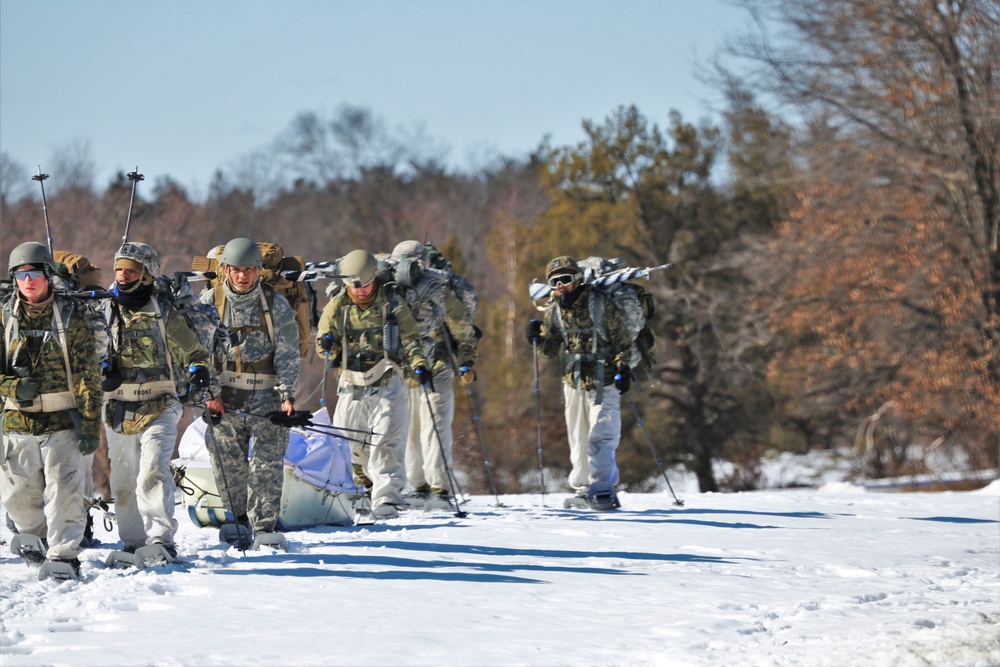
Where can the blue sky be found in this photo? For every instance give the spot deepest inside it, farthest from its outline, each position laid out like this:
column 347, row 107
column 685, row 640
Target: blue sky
column 181, row 88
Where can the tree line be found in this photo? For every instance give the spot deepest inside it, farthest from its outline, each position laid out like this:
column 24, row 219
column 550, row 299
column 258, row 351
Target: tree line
column 834, row 242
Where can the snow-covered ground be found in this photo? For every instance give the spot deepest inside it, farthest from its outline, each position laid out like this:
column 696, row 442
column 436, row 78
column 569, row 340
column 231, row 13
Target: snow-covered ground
column 831, row 576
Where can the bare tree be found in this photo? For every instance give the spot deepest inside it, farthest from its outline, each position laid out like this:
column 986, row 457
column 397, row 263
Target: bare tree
column 73, row 167
column 899, row 150
column 15, row 181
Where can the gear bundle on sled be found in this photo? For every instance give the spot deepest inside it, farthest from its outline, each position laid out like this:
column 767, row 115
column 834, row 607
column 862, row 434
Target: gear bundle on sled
column 318, row 487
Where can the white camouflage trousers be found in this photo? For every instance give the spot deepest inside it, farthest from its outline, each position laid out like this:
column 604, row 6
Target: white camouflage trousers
column 142, row 483
column 594, row 432
column 42, row 489
column 426, row 463
column 384, row 411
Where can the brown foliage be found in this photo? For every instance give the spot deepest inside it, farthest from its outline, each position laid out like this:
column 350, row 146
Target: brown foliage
column 881, row 305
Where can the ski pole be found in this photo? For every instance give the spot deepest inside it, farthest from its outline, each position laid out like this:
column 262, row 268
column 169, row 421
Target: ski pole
column 210, row 435
column 295, row 421
column 326, row 368
column 447, row 468
column 538, row 418
column 635, row 411
column 482, row 442
column 40, row 177
column 475, row 415
column 135, row 177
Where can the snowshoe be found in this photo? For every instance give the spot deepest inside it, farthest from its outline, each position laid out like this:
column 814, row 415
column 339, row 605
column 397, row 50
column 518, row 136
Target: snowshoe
column 363, row 513
column 439, row 501
column 577, row 502
column 386, row 511
column 272, row 540
column 602, row 497
column 60, row 570
column 238, row 535
column 417, row 498
column 155, row 554
column 120, row 559
column 29, row 547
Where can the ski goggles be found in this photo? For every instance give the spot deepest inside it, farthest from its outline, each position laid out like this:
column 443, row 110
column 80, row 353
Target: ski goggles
column 562, row 279
column 34, row 274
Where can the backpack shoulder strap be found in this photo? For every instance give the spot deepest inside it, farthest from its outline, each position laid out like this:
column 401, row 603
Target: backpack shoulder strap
column 267, row 305
column 219, row 295
column 161, row 323
column 62, row 310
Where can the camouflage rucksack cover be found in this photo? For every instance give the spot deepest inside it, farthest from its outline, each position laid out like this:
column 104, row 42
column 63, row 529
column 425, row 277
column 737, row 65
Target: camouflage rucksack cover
column 301, row 296
column 203, row 320
column 635, row 305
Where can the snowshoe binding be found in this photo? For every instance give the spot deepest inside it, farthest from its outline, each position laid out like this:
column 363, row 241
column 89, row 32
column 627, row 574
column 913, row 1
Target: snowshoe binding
column 237, row 535
column 143, row 557
column 602, row 497
column 439, row 500
column 417, row 498
column 29, row 547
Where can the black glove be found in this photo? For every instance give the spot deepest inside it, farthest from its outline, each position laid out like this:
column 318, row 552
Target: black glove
column 326, row 343
column 297, row 418
column 466, row 373
column 26, row 389
column 87, row 444
column 623, row 379
column 199, row 377
column 211, row 418
column 112, row 379
column 423, row 375
column 533, row 332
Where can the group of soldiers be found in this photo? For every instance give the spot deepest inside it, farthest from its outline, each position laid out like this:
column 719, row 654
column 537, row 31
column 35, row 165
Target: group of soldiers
column 399, row 341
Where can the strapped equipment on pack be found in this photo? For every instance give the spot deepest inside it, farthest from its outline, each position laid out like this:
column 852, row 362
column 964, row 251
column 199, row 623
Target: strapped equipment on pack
column 610, row 278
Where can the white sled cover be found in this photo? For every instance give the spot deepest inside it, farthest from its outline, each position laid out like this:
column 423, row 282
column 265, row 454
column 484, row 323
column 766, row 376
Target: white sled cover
column 317, row 472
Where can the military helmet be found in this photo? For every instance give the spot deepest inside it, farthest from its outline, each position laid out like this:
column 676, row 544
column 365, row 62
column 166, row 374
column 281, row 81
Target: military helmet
column 562, row 264
column 142, row 254
column 241, row 252
column 31, row 253
column 361, row 266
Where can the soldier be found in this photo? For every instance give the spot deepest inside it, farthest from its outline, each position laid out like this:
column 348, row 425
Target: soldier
column 258, row 375
column 52, row 402
column 596, row 349
column 154, row 357
column 370, row 333
column 96, row 465
column 445, row 325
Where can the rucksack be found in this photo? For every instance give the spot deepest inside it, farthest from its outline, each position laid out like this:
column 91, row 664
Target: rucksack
column 462, row 288
column 301, row 296
column 634, row 303
column 202, row 319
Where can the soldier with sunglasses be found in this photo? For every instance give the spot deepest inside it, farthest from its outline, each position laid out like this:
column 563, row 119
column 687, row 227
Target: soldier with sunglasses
column 51, row 392
column 585, row 330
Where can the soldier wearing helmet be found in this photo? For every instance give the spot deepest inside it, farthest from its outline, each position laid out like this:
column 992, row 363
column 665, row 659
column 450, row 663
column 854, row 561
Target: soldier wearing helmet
column 51, row 392
column 370, row 334
column 258, row 375
column 150, row 345
column 586, row 332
